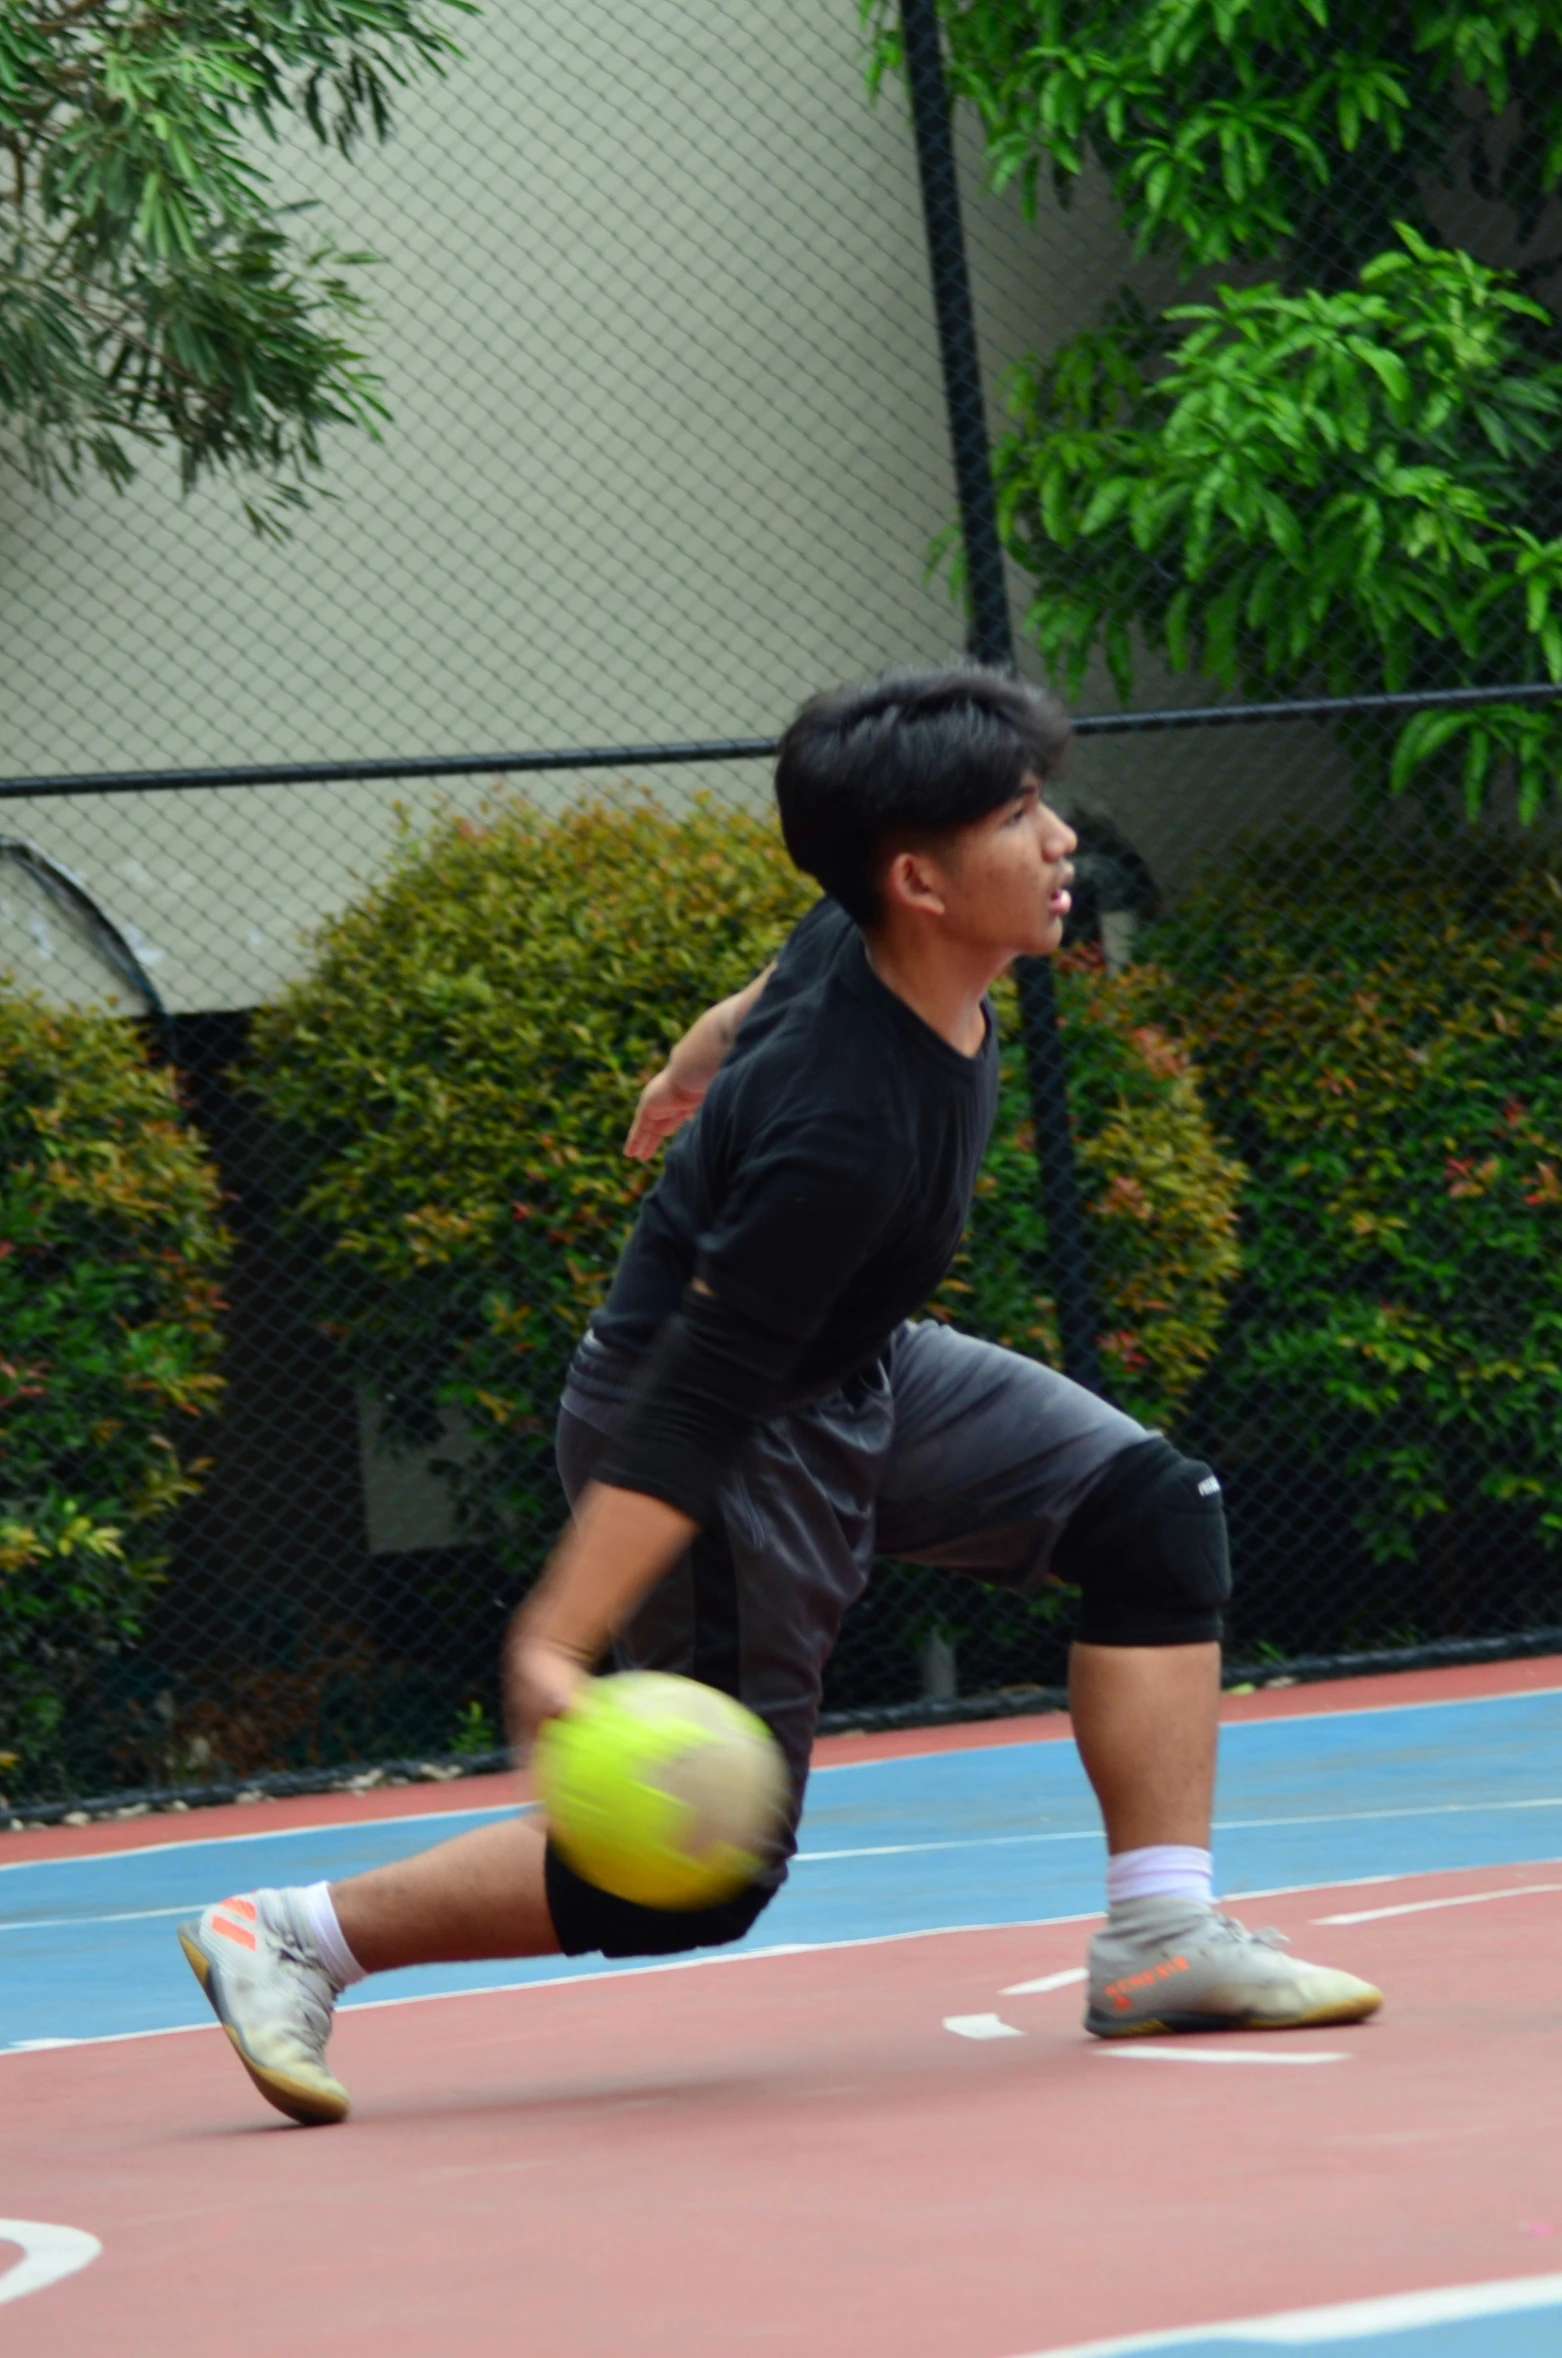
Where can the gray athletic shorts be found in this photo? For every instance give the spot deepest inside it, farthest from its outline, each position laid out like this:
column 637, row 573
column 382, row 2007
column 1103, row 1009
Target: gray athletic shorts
column 949, row 1451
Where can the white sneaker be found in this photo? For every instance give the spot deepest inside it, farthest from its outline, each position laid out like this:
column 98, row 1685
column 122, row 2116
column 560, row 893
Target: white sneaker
column 273, row 1994
column 1163, row 1965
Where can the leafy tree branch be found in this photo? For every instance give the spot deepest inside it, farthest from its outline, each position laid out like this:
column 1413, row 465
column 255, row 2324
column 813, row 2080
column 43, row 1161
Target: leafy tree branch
column 1273, row 488
column 154, row 292
column 1350, row 474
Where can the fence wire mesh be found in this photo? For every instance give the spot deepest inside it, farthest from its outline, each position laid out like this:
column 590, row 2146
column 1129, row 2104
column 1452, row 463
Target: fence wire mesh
column 1272, row 378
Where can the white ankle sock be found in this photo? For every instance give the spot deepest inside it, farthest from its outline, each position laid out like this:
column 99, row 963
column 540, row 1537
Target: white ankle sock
column 337, row 1957
column 1166, row 1870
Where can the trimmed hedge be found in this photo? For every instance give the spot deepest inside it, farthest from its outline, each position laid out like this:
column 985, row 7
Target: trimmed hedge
column 1386, row 1054
column 111, row 1250
column 453, row 1081
column 454, row 1078
column 1160, row 1195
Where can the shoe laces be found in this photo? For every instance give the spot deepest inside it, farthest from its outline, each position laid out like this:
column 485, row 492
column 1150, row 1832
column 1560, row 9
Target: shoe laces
column 316, row 2010
column 1262, row 1936
column 309, row 1976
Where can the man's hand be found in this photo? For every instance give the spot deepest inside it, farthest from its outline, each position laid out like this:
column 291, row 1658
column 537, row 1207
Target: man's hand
column 616, row 1547
column 666, row 1102
column 540, row 1681
column 678, row 1090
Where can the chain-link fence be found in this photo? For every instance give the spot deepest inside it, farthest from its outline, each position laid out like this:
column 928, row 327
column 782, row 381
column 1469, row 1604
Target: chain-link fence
column 674, row 429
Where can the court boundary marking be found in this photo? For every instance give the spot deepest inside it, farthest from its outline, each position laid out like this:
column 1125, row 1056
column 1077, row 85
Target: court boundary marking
column 829, row 1768
column 48, row 2254
column 1454, row 2304
column 575, row 1981
column 1286, row 1719
column 878, row 1850
column 741, row 1956
column 146, row 1850
column 1463, row 1899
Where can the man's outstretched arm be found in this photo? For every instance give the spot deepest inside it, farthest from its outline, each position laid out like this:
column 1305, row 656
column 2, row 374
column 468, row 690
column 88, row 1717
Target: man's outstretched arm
column 617, row 1547
column 621, row 1540
column 677, row 1091
column 711, row 1376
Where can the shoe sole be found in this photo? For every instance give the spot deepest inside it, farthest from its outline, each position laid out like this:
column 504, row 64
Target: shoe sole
column 1106, row 2026
column 305, row 2105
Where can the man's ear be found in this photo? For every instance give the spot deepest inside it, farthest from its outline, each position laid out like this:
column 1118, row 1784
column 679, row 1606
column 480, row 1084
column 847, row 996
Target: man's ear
column 912, row 881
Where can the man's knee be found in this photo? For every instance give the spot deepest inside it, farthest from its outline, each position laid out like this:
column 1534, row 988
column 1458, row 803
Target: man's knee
column 588, row 1920
column 1148, row 1548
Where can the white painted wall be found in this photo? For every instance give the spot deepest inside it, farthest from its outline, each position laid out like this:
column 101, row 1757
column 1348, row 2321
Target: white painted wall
column 667, row 453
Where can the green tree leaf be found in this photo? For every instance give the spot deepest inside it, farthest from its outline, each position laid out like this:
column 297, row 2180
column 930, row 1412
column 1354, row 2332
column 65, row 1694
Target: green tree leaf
column 155, row 291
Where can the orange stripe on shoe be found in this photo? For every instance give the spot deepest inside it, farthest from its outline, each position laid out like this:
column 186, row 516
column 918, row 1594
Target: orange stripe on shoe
column 246, row 1940
column 240, row 1907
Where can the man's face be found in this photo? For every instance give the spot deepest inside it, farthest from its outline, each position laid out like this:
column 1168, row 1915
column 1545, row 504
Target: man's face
column 1005, row 878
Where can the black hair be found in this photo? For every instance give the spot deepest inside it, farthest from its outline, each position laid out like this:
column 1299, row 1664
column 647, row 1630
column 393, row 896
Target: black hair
column 913, row 753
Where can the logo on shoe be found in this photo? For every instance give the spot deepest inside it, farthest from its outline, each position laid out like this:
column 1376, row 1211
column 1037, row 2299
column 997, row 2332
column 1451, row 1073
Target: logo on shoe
column 238, row 1932
column 1121, row 1993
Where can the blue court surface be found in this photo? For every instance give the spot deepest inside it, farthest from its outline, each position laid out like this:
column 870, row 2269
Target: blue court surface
column 995, row 1836
column 999, row 1835
column 1512, row 2320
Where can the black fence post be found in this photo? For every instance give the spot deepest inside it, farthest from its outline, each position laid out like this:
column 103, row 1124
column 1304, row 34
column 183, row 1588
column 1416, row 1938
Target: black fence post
column 991, row 635
column 992, row 641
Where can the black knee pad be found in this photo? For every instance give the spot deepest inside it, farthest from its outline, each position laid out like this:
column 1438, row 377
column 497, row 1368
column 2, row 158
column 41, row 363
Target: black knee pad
column 587, row 1919
column 1148, row 1547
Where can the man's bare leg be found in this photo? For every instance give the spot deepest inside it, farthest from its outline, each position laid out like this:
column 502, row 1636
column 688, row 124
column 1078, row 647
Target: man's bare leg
column 480, row 1895
column 274, row 1963
column 1144, row 1716
column 1146, row 1719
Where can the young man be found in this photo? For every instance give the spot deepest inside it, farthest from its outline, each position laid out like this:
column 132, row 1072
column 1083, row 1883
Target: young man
column 754, row 1414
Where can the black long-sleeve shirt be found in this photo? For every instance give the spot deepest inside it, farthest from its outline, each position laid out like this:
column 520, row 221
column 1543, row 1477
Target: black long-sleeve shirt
column 817, row 1198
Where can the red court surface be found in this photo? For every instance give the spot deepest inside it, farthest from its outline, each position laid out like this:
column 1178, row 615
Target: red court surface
column 794, row 2154
column 880, row 2147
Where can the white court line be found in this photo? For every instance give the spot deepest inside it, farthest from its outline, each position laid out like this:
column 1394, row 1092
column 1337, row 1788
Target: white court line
column 1375, row 1710
column 1344, row 1817
column 1354, row 1817
column 1228, row 1727
column 834, row 1768
column 1465, row 1899
column 715, row 1957
column 895, row 1850
column 886, row 1850
column 991, row 1841
column 981, row 2026
column 146, row 1850
column 574, row 1981
column 1137, row 2054
column 48, row 2253
column 1347, row 1817
column 125, row 1916
column 1048, row 1981
column 1342, row 2321
column 167, row 2030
